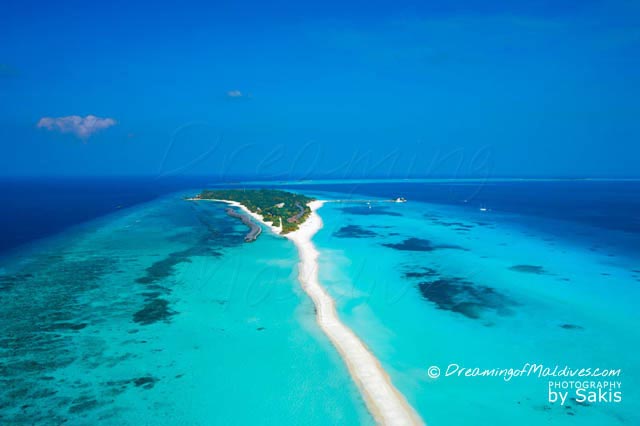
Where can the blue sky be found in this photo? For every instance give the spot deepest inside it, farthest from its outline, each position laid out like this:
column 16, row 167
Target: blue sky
column 298, row 89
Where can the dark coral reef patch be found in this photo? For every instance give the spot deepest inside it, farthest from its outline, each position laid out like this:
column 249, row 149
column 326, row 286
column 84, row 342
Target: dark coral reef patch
column 460, row 296
column 354, row 231
column 154, row 310
column 529, row 269
column 421, row 272
column 420, row 244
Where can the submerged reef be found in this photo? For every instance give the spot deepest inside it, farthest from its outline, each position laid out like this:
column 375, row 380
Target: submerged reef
column 458, row 295
column 421, row 272
column 529, row 269
column 571, row 327
column 420, row 244
column 354, row 231
column 72, row 308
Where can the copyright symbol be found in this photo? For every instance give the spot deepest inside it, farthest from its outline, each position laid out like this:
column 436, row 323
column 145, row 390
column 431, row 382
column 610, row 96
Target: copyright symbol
column 433, row 372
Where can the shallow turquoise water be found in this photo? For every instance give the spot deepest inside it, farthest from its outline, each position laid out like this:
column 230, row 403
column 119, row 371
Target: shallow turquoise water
column 162, row 315
column 496, row 295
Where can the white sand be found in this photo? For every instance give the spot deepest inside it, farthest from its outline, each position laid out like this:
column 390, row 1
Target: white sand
column 385, row 402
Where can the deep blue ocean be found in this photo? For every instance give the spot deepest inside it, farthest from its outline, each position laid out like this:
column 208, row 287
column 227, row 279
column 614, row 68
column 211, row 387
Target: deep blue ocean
column 34, row 208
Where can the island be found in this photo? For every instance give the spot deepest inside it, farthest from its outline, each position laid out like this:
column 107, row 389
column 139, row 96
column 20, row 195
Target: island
column 282, row 209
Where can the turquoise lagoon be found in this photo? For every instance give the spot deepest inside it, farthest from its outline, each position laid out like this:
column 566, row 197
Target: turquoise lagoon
column 433, row 285
column 160, row 314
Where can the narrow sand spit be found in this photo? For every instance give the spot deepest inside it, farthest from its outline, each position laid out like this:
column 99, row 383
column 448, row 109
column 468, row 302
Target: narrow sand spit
column 385, row 402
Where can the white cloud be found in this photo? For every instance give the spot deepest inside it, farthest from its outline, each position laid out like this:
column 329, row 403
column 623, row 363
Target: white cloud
column 82, row 127
column 234, row 94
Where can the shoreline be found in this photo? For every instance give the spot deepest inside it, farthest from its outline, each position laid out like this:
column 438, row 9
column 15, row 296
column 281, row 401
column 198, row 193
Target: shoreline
column 387, row 405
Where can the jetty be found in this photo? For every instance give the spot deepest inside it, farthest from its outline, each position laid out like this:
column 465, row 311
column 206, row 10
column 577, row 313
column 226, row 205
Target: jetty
column 396, row 200
column 254, row 229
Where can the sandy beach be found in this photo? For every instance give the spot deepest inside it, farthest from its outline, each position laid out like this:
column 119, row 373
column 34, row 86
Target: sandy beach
column 385, row 402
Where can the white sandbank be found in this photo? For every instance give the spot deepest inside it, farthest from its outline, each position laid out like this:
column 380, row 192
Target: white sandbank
column 385, row 402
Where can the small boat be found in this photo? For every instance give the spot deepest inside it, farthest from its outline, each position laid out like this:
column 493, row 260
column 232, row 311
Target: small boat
column 483, row 209
column 400, row 200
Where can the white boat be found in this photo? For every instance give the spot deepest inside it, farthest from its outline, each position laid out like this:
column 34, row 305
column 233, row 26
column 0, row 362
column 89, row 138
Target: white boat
column 400, row 200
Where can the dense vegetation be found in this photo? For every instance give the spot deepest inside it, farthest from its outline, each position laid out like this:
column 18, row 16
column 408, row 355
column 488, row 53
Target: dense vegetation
column 278, row 207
